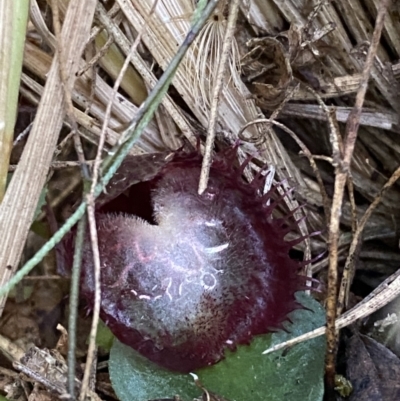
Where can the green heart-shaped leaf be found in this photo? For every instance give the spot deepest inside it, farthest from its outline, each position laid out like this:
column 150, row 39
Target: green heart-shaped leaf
column 246, row 374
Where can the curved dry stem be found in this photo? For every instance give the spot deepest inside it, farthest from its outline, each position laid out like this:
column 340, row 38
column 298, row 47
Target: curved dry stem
column 301, row 144
column 336, row 143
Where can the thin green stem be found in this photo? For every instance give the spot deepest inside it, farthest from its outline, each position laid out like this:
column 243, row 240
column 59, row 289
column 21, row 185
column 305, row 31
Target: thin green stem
column 73, row 305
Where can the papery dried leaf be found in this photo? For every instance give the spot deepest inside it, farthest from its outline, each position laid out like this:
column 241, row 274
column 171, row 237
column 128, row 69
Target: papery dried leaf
column 271, row 87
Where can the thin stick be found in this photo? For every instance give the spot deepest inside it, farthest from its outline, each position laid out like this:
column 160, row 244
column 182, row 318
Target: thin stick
column 100, row 54
column 334, row 139
column 74, row 293
column 226, row 48
column 92, row 222
column 341, row 173
column 140, row 66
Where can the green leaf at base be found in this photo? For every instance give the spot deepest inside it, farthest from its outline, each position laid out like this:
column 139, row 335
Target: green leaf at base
column 246, row 374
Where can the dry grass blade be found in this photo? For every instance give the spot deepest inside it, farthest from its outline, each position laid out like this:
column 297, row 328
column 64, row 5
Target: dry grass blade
column 373, row 118
column 145, row 71
column 39, row 62
column 89, row 126
column 19, row 204
column 13, row 17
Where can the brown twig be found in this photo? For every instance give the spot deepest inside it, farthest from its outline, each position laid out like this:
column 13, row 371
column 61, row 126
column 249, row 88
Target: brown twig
column 111, row 13
column 230, row 29
column 336, row 143
column 350, row 191
column 92, row 223
column 141, row 67
column 101, row 53
column 59, row 165
column 341, row 174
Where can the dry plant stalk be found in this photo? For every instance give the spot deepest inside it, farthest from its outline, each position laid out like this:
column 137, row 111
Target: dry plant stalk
column 342, row 162
column 349, row 267
column 39, row 63
column 227, row 48
column 93, row 228
column 146, row 73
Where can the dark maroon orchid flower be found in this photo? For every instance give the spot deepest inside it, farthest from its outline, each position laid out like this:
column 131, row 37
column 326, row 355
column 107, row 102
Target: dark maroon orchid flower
column 185, row 276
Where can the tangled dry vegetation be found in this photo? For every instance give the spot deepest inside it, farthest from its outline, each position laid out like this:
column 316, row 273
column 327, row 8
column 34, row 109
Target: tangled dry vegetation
column 294, row 71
